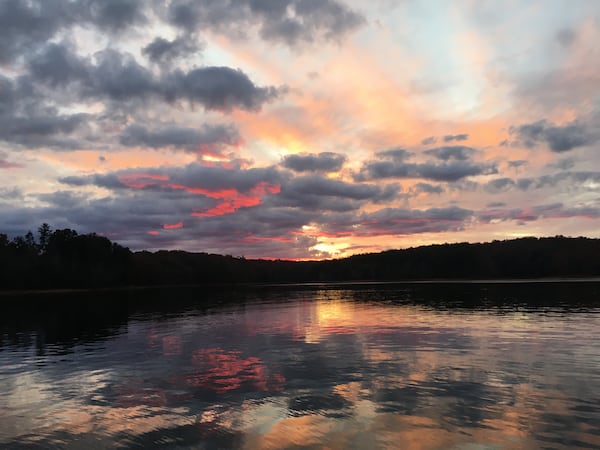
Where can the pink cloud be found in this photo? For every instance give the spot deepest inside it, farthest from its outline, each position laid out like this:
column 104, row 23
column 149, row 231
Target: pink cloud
column 173, row 226
column 236, row 200
column 8, row 165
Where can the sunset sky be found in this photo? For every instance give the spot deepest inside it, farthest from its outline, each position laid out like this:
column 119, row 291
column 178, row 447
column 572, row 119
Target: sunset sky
column 300, row 128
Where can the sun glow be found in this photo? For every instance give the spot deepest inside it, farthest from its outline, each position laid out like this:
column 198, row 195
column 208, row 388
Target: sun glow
column 331, row 249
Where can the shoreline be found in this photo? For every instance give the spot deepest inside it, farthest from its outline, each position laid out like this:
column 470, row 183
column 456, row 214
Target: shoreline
column 550, row 280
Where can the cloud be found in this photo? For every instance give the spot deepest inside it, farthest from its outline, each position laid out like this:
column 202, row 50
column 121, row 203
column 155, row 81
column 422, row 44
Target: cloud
column 192, row 178
column 537, row 212
column 517, row 163
column 262, row 230
column 4, row 164
column 321, row 193
column 453, row 171
column 161, row 50
column 564, row 163
column 24, row 25
column 218, row 88
column 57, row 64
column 232, row 208
column 395, row 154
column 26, row 129
column 499, row 185
column 205, row 140
column 113, row 15
column 524, row 184
column 454, row 166
column 174, row 203
column 455, row 137
column 566, row 37
column 310, row 162
column 558, row 138
column 427, row 188
column 118, row 76
column 223, row 189
column 572, row 178
column 11, row 195
column 27, row 25
column 429, row 140
column 589, row 180
column 63, row 199
column 27, row 121
column 458, row 153
column 505, row 184
column 127, row 214
column 448, row 171
column 398, row 221
column 292, row 22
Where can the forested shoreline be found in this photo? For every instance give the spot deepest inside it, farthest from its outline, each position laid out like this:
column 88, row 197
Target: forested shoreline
column 65, row 259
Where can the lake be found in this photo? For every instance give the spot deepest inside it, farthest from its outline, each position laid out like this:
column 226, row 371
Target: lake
column 353, row 366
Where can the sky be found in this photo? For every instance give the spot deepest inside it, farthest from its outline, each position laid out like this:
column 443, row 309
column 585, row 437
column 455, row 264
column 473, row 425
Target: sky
column 300, row 129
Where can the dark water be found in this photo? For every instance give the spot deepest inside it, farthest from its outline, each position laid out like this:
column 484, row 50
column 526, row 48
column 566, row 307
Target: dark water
column 469, row 366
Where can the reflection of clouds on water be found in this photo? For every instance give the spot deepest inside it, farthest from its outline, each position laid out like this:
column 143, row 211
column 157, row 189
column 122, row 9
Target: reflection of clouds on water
column 171, row 345
column 223, row 371
column 321, row 371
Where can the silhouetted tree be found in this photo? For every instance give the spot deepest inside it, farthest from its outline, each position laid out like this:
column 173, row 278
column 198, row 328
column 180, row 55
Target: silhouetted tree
column 44, row 234
column 30, row 240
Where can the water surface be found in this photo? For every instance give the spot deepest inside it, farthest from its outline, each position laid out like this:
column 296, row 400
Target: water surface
column 323, row 366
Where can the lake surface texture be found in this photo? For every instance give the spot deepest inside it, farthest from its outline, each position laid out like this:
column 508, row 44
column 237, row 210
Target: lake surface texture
column 397, row 366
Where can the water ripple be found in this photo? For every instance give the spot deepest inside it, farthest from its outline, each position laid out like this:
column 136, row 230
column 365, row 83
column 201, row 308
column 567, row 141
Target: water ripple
column 310, row 368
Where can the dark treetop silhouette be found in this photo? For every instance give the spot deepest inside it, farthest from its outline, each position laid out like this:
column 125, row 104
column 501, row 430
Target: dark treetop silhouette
column 66, row 259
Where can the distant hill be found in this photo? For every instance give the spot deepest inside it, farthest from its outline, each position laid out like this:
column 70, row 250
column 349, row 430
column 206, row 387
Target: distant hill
column 518, row 258
column 66, row 259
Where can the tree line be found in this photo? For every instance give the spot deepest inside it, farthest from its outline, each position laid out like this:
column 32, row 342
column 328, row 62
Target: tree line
column 62, row 259
column 66, row 259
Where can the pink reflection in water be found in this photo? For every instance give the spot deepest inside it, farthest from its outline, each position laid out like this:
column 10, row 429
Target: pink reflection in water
column 224, row 371
column 171, row 345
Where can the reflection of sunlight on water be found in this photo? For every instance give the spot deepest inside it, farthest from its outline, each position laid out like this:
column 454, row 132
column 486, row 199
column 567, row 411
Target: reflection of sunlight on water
column 332, row 314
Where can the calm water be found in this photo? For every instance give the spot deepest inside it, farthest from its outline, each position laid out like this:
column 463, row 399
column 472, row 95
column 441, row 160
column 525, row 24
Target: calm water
column 469, row 366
